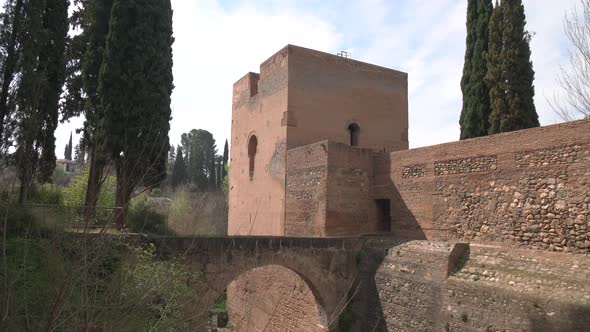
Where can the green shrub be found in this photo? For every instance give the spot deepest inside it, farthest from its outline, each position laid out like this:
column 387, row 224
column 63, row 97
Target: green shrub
column 157, row 288
column 181, row 211
column 60, row 177
column 143, row 219
column 47, row 194
column 220, row 309
column 62, row 283
column 34, row 270
column 156, row 192
column 447, row 327
column 18, row 218
column 464, row 317
column 75, row 193
column 198, row 213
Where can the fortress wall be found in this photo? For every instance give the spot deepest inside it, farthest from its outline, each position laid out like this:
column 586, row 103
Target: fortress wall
column 529, row 188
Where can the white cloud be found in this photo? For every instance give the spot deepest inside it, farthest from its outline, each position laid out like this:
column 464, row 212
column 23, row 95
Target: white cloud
column 216, row 45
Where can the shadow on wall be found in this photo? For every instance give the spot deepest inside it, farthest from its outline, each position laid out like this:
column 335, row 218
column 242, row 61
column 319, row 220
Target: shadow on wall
column 404, row 225
column 366, row 306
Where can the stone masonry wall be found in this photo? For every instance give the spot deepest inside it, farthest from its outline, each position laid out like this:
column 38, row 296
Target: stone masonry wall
column 328, row 191
column 486, row 288
column 465, row 165
column 529, row 188
column 414, row 171
column 306, row 182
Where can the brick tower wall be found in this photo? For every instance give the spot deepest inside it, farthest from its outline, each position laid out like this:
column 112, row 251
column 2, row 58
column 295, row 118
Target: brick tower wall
column 327, row 93
column 256, row 204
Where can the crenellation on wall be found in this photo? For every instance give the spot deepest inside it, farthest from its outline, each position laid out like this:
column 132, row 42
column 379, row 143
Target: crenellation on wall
column 245, row 88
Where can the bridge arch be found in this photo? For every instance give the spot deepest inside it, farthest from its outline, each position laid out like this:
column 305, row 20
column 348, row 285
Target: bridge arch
column 264, row 298
column 327, row 266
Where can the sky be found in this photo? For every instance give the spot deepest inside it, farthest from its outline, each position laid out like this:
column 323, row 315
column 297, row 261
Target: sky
column 219, row 41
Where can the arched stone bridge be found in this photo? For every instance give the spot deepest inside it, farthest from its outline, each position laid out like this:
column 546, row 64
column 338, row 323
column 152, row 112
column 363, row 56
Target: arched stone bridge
column 400, row 286
column 328, row 266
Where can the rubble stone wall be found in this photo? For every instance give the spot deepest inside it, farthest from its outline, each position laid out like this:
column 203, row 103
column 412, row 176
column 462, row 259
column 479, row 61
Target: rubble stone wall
column 530, row 188
column 485, row 288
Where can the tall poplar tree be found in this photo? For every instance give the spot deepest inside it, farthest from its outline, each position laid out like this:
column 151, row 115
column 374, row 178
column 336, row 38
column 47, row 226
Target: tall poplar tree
column 476, row 96
column 135, row 88
column 510, row 70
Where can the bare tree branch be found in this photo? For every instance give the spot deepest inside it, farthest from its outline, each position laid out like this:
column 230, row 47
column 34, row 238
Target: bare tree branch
column 574, row 79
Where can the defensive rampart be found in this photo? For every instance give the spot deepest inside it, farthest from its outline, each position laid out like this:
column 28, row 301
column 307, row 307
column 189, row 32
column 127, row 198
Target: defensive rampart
column 529, row 188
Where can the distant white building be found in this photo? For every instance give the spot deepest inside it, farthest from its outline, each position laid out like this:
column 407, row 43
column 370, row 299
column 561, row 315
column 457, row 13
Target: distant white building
column 69, row 166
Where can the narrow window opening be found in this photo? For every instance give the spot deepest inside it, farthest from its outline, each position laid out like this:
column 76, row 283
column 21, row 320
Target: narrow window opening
column 252, row 147
column 353, row 130
column 383, row 215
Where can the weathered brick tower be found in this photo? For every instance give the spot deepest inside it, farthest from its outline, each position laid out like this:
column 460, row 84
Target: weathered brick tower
column 293, row 126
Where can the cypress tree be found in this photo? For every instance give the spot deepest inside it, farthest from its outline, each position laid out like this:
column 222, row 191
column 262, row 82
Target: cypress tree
column 225, row 159
column 135, row 88
column 80, row 152
column 12, row 22
column 171, row 158
column 85, row 57
column 156, row 173
column 179, row 169
column 218, row 172
column 42, row 72
column 55, row 24
column 510, row 71
column 29, row 94
column 68, row 150
column 200, row 151
column 476, row 99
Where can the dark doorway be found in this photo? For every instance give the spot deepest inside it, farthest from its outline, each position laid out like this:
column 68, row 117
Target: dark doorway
column 383, row 215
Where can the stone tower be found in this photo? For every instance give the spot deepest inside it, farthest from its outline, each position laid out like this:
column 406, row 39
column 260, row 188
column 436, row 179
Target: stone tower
column 308, row 109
